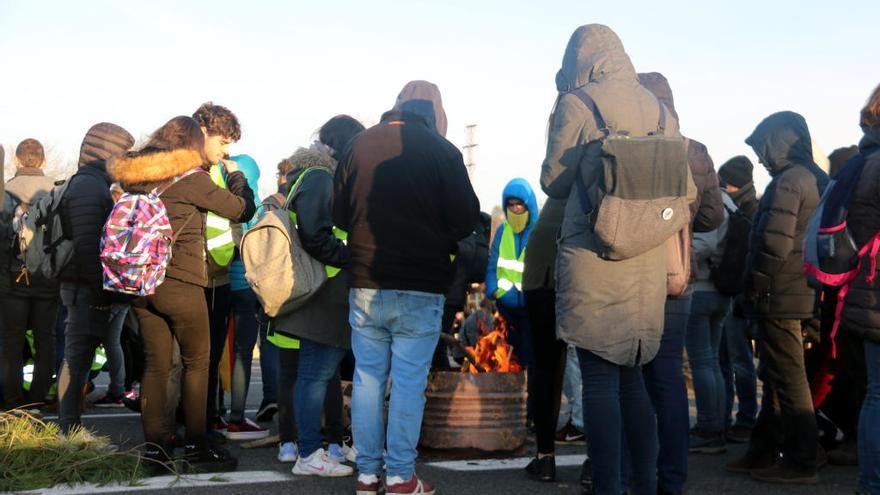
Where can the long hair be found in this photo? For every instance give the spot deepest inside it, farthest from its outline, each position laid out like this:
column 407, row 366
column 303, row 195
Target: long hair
column 870, row 116
column 181, row 132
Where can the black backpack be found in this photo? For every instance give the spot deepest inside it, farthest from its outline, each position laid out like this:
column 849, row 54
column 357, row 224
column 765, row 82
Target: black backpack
column 729, row 275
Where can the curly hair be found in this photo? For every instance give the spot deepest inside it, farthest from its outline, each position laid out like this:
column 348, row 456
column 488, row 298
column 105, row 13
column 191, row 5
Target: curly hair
column 30, row 153
column 218, row 120
column 871, row 113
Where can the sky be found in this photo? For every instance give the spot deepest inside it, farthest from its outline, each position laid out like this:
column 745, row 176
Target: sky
column 286, row 67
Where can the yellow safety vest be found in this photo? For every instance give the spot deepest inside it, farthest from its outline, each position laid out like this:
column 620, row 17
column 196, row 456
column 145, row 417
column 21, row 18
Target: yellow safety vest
column 221, row 245
column 509, row 270
column 281, row 340
column 340, row 234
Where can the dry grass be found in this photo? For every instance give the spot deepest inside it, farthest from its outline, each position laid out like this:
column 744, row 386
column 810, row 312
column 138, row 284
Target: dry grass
column 34, row 455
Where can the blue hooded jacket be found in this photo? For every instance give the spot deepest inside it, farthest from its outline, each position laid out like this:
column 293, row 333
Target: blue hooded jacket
column 521, row 190
column 251, row 172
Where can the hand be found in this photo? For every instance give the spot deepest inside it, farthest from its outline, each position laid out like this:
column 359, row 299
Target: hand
column 229, row 165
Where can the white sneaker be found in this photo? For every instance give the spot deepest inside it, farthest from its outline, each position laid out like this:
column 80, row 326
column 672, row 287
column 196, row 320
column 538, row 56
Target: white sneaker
column 319, row 464
column 340, row 452
column 287, row 452
column 351, row 453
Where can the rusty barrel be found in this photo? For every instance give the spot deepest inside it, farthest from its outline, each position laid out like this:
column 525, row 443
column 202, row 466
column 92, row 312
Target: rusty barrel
column 484, row 411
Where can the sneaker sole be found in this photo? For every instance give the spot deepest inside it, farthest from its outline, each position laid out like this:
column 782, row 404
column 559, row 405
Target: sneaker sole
column 288, row 460
column 806, row 480
column 321, row 474
column 247, row 435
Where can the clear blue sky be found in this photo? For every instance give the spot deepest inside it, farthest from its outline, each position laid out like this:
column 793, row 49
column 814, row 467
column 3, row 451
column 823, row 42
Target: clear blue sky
column 286, row 67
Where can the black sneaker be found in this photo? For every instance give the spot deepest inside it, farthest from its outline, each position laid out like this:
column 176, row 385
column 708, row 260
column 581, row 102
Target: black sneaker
column 785, row 472
column 206, row 458
column 267, row 411
column 705, row 442
column 543, row 469
column 739, row 434
column 587, row 487
column 157, row 460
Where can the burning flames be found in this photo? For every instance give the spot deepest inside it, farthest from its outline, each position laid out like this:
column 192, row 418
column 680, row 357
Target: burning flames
column 492, row 352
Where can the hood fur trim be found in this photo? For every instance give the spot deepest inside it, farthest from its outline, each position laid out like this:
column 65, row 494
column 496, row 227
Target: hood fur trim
column 304, row 158
column 158, row 166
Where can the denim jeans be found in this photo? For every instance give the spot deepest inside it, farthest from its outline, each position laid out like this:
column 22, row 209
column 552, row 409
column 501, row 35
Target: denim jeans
column 869, row 424
column 737, row 358
column 394, row 333
column 246, row 312
column 704, row 332
column 664, row 377
column 615, row 400
column 317, row 366
column 572, row 409
column 86, row 327
column 269, row 362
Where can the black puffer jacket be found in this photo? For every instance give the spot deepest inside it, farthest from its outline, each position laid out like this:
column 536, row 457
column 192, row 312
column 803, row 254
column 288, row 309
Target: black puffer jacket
column 776, row 286
column 84, row 209
column 861, row 314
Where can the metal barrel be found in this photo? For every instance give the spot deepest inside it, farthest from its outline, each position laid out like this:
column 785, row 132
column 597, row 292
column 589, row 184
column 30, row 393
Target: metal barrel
column 484, row 411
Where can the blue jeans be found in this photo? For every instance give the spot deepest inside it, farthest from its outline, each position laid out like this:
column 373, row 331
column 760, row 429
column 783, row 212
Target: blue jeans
column 615, row 400
column 704, row 331
column 246, row 311
column 317, row 365
column 393, row 332
column 737, row 359
column 869, row 424
column 269, row 362
column 664, row 377
column 572, row 409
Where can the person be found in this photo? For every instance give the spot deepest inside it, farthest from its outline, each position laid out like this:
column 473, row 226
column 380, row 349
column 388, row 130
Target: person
column 861, row 312
column 779, row 298
column 664, row 375
column 94, row 316
column 538, row 283
column 176, row 312
column 611, row 310
column 736, row 355
column 221, row 128
column 403, row 195
column 504, row 273
column 321, row 324
column 28, row 301
column 838, row 158
column 247, row 321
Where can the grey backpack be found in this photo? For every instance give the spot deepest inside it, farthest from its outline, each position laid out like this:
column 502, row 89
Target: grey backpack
column 642, row 196
column 43, row 246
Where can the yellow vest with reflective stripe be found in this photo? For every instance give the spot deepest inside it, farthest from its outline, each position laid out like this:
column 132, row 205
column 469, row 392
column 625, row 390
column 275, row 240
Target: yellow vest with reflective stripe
column 221, row 245
column 281, row 340
column 340, row 234
column 510, row 267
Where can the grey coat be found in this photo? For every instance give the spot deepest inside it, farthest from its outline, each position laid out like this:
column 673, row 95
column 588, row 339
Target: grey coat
column 611, row 308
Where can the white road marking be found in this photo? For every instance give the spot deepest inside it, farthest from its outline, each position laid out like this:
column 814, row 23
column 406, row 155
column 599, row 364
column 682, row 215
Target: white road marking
column 122, row 415
column 171, row 482
column 501, row 464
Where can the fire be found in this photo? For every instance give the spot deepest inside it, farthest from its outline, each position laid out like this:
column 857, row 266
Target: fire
column 492, row 352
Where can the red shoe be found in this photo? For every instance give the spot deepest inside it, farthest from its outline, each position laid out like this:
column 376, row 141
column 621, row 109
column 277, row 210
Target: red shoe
column 245, row 430
column 108, row 401
column 414, row 486
column 375, row 488
column 219, row 425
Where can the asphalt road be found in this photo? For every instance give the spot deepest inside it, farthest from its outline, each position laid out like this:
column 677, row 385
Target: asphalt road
column 260, row 473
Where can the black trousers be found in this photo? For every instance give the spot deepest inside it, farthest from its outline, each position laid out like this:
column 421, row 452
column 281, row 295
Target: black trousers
column 787, row 422
column 20, row 314
column 549, row 369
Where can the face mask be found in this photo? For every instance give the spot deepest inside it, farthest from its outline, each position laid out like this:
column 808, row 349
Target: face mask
column 518, row 221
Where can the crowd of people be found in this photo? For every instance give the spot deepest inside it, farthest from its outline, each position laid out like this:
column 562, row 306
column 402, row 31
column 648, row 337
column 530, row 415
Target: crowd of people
column 643, row 262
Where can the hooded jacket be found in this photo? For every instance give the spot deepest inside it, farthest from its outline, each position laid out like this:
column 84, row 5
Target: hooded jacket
column 248, row 166
column 88, row 202
column 187, row 201
column 521, row 190
column 776, row 286
column 325, row 318
column 402, row 193
column 861, row 312
column 614, row 309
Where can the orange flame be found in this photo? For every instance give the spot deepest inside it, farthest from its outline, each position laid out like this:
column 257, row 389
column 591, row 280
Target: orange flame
column 492, row 352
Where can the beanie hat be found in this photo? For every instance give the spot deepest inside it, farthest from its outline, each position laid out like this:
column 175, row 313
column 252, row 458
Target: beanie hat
column 104, row 141
column 737, row 171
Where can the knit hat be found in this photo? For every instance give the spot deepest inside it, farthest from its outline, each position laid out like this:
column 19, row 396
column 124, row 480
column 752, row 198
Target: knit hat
column 104, row 141
column 737, row 171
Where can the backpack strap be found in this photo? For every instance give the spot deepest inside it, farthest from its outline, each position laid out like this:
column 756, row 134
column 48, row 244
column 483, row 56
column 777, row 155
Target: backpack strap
column 161, row 189
column 590, row 103
column 176, row 234
column 299, row 181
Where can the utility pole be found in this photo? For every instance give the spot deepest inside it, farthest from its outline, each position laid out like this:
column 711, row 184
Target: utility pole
column 470, row 149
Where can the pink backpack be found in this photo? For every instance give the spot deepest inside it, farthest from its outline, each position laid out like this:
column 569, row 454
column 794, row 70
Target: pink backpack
column 137, row 241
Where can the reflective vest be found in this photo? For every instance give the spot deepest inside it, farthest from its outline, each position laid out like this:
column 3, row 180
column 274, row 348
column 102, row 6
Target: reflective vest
column 221, row 245
column 340, row 234
column 100, row 359
column 509, row 270
column 281, row 340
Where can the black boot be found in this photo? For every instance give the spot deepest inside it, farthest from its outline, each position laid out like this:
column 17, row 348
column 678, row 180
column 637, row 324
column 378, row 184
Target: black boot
column 543, row 469
column 203, row 457
column 587, row 487
column 157, row 459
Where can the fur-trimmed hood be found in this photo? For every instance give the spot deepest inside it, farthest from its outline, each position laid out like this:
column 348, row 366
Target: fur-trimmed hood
column 304, row 158
column 152, row 167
